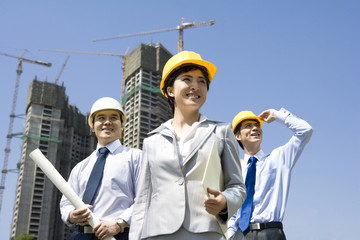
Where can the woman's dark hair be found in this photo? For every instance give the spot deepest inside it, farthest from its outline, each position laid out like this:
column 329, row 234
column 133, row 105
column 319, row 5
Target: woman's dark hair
column 169, row 81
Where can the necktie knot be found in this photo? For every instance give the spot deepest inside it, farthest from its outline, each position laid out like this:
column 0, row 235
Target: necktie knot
column 103, row 150
column 252, row 159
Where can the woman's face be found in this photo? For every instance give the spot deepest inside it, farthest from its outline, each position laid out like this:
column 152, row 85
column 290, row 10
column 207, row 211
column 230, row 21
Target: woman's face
column 189, row 90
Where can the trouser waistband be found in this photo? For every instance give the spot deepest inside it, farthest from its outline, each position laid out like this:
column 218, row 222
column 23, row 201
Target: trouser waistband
column 261, row 226
column 89, row 230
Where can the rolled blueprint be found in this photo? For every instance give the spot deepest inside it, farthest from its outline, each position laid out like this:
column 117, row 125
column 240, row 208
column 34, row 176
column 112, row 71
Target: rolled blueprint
column 45, row 165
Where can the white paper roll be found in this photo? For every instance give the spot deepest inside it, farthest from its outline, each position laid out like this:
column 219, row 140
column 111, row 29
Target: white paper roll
column 55, row 177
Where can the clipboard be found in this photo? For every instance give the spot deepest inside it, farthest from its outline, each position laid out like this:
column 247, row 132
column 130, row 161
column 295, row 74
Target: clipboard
column 213, row 177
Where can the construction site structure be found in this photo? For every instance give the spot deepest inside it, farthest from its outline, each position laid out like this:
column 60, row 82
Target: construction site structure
column 61, row 132
column 179, row 28
column 145, row 107
column 10, row 134
column 123, row 57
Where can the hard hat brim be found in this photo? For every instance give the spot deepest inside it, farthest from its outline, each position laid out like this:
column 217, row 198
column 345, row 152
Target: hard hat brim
column 211, row 68
column 92, row 116
column 247, row 118
column 106, row 103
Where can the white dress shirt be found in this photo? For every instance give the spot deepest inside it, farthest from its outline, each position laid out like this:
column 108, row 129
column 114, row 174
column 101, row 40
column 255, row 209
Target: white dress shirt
column 184, row 144
column 118, row 187
column 273, row 173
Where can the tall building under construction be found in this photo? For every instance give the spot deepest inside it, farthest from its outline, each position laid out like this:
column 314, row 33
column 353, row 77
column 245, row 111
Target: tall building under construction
column 145, row 107
column 61, row 132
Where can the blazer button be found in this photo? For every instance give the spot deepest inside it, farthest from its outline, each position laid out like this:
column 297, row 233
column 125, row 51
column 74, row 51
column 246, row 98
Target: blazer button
column 180, row 181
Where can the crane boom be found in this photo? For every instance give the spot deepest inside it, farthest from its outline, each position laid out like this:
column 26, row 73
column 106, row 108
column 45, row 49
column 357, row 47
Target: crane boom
column 136, row 34
column 123, row 56
column 180, row 28
column 27, row 60
column 12, row 116
column 80, row 52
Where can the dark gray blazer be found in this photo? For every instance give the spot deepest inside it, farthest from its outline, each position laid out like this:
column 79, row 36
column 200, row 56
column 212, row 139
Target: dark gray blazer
column 169, row 196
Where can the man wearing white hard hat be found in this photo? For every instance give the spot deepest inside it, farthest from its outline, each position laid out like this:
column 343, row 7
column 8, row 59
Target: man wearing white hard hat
column 267, row 176
column 106, row 180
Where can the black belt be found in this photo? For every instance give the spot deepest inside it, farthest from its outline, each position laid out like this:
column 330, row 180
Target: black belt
column 88, row 229
column 261, row 226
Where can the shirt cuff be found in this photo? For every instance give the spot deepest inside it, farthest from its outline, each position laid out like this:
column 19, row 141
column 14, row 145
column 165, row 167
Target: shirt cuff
column 281, row 115
column 126, row 215
column 68, row 223
column 65, row 214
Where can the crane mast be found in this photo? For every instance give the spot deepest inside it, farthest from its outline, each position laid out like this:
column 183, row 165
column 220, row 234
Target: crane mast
column 179, row 28
column 12, row 116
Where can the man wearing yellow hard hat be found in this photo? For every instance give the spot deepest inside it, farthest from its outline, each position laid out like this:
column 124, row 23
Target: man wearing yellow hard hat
column 267, row 176
column 106, row 180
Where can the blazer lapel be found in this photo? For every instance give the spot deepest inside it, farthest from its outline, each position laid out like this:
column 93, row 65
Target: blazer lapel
column 202, row 133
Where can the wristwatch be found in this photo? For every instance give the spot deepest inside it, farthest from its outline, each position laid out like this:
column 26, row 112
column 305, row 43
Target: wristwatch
column 122, row 224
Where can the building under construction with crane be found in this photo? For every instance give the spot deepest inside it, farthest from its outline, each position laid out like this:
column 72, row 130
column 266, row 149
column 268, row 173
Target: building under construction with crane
column 61, row 132
column 12, row 116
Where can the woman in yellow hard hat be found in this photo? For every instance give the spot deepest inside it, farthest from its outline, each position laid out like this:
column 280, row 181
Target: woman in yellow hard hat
column 171, row 202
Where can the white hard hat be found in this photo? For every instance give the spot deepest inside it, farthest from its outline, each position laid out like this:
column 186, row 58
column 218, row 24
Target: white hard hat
column 106, row 103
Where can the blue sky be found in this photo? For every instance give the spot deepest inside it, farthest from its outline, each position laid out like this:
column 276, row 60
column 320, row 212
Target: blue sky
column 301, row 55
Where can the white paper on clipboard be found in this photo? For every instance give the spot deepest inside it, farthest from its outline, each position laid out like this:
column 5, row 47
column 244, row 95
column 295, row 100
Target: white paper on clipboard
column 213, row 176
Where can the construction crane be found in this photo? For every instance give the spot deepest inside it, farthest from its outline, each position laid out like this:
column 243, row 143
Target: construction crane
column 180, row 28
column 61, row 70
column 123, row 56
column 12, row 116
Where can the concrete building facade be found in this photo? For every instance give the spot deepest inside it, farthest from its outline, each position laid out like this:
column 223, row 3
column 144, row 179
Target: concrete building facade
column 61, row 132
column 146, row 108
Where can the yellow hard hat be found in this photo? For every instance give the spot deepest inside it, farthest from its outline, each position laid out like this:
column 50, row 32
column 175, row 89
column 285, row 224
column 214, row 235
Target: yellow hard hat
column 185, row 57
column 245, row 115
column 106, row 103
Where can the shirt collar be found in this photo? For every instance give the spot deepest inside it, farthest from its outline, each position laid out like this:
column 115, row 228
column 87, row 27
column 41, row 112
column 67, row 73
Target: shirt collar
column 260, row 156
column 111, row 146
column 168, row 125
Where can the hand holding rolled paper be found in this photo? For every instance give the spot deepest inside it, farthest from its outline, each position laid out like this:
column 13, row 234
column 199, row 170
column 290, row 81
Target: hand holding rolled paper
column 45, row 165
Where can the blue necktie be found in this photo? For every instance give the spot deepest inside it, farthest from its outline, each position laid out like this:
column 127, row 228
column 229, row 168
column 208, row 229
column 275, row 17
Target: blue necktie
column 247, row 207
column 95, row 177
